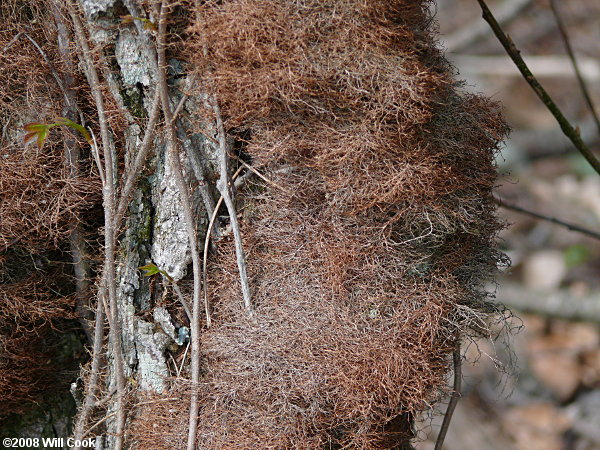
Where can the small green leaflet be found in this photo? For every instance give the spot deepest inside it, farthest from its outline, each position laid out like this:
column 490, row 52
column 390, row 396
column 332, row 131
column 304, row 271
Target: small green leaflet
column 36, row 131
column 151, row 269
column 39, row 131
column 75, row 126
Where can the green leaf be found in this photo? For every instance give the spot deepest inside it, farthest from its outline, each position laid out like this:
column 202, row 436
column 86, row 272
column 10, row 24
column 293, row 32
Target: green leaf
column 149, row 269
column 41, row 137
column 35, row 127
column 36, row 131
column 127, row 19
column 75, row 126
column 149, row 25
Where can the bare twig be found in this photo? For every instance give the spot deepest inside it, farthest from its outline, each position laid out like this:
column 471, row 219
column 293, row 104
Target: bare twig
column 91, row 386
column 12, row 42
column 140, row 158
column 187, row 347
column 106, row 398
column 206, row 245
column 562, row 223
column 198, row 168
column 205, row 260
column 174, row 155
column 181, row 297
column 193, row 157
column 513, row 52
column 582, row 84
column 174, row 364
column 224, row 188
column 109, row 272
column 454, row 398
column 97, row 424
column 261, row 176
column 55, row 74
column 96, row 155
column 179, row 107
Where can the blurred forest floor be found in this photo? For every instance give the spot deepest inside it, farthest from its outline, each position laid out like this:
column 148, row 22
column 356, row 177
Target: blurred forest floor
column 543, row 392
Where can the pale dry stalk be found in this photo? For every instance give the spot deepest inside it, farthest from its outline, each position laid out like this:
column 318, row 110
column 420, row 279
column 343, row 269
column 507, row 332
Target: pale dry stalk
column 174, row 152
column 109, row 272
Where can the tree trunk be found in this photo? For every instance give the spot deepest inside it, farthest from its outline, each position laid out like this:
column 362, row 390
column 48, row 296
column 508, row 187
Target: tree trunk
column 366, row 231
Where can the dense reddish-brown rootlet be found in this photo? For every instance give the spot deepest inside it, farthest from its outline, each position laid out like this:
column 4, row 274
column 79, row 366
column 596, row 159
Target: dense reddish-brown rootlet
column 39, row 202
column 370, row 265
column 365, row 270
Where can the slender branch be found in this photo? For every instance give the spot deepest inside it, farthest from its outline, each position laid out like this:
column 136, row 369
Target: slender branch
column 12, row 42
column 187, row 347
column 454, row 398
column 224, row 188
column 174, row 155
column 180, row 104
column 91, row 385
column 261, row 176
column 109, row 272
column 562, row 223
column 97, row 424
column 513, row 52
column 198, row 168
column 205, row 260
column 140, row 159
column 96, row 154
column 582, row 84
column 182, row 299
column 213, row 217
column 194, row 157
column 55, row 74
column 106, row 398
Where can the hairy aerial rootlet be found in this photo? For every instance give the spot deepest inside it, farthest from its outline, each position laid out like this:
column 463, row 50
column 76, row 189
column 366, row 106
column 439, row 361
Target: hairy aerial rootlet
column 368, row 250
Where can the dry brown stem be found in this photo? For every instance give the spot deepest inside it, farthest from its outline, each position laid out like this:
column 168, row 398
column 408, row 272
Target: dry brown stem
column 211, row 223
column 454, row 398
column 511, row 49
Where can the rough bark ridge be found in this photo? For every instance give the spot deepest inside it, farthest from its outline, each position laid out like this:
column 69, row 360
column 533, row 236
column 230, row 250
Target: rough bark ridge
column 369, row 232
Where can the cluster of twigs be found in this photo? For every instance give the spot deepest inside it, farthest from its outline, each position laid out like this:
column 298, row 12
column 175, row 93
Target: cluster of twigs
column 48, row 195
column 40, row 202
column 570, row 131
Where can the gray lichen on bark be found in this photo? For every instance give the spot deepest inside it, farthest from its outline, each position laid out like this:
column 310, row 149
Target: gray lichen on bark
column 170, row 248
column 94, row 7
column 132, row 58
column 151, row 344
